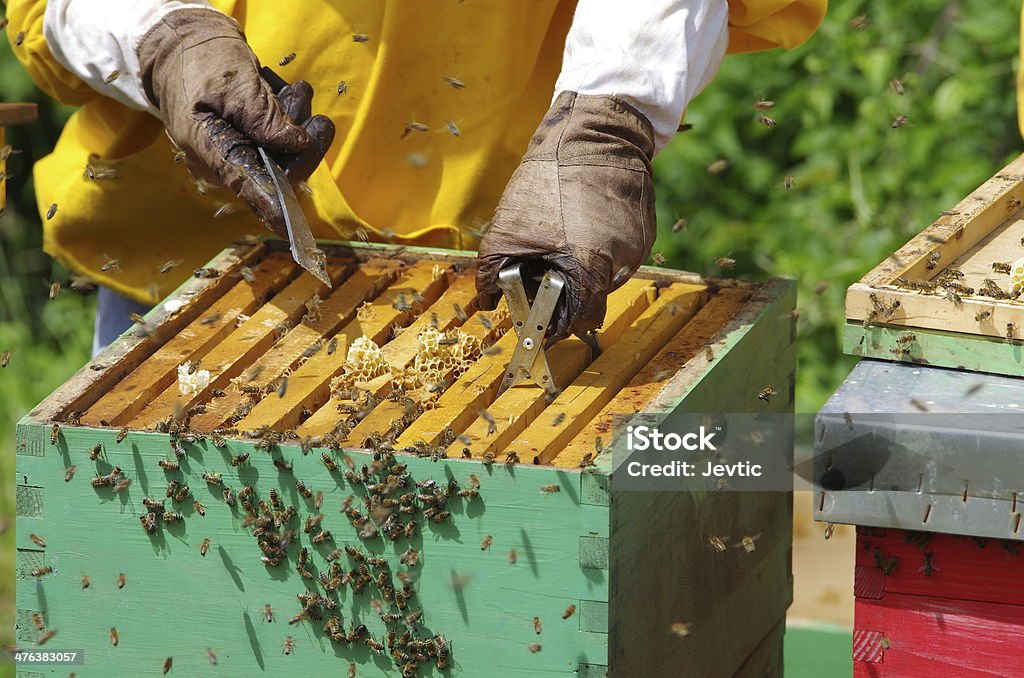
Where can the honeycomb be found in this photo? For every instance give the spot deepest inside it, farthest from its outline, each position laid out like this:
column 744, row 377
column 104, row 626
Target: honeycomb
column 1017, row 275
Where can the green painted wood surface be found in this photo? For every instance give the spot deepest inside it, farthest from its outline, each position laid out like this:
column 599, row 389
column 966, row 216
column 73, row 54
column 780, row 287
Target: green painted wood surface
column 934, row 347
column 176, row 603
column 734, row 601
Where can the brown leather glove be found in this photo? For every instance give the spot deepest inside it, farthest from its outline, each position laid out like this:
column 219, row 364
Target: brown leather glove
column 218, row 105
column 581, row 202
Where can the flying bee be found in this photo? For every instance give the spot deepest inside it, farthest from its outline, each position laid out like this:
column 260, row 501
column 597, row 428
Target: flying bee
column 170, row 265
column 318, row 500
column 54, row 290
column 789, row 182
column 725, row 262
column 39, row 541
column 37, row 621
column 486, row 543
column 342, row 87
column 51, row 212
column 766, row 393
column 550, row 489
column 204, row 547
column 268, row 613
column 454, row 82
column 44, row 636
column 54, row 434
column 899, row 121
column 919, row 405
column 747, row 543
column 534, row 647
column 286, row 59
column 69, row 473
column 5, row 358
column 110, row 264
column 718, row 543
column 111, row 77
column 85, row 581
column 360, row 37
column 19, row 38
column 767, row 121
column 199, row 508
column 115, row 638
column 658, row 259
column 896, row 86
column 211, row 655
column 42, row 571
column 679, row 629
column 289, row 646
column 1011, row 330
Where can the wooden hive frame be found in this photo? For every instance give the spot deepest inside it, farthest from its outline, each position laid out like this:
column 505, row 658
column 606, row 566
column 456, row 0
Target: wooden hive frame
column 584, row 545
column 888, row 318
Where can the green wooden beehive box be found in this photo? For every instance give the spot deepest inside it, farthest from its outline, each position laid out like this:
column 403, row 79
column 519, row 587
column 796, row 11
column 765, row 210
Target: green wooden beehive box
column 462, row 559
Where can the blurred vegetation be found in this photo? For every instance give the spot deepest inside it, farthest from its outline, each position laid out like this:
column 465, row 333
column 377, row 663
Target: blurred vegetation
column 862, row 188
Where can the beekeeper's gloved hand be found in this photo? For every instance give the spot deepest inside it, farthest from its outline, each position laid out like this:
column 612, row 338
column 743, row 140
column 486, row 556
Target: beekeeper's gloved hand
column 218, row 107
column 582, row 201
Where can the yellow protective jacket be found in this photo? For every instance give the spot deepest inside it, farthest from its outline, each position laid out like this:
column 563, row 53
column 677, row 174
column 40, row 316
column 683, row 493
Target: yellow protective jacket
column 426, row 188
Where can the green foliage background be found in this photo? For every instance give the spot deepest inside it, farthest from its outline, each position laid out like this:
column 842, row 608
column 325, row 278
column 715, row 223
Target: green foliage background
column 862, row 188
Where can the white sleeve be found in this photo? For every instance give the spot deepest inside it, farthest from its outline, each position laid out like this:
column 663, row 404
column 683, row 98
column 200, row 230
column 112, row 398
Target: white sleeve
column 95, row 38
column 657, row 55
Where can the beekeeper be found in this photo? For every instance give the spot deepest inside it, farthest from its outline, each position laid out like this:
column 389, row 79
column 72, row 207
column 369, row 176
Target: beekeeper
column 423, row 113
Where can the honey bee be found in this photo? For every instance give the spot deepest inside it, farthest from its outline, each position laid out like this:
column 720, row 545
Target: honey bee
column 45, row 636
column 213, row 478
column 54, row 434
column 899, row 121
column 42, row 571
column 286, row 59
column 486, row 543
column 51, row 212
column 351, row 671
column 536, row 625
column 342, row 87
column 289, row 646
column 19, row 38
column 282, row 465
column 228, row 496
column 1011, row 330
column 111, row 77
column 69, row 473
column 679, row 629
column 37, row 621
column 268, row 613
column 550, row 489
column 303, row 490
column 182, row 493
column 148, row 522
column 718, row 543
column 121, row 435
column 85, row 581
column 168, row 465
column 172, row 517
column 239, row 459
column 569, row 611
column 39, row 541
column 211, row 655
column 199, row 508
column 153, row 505
column 766, row 393
column 360, row 37
column 204, row 547
column 115, row 638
